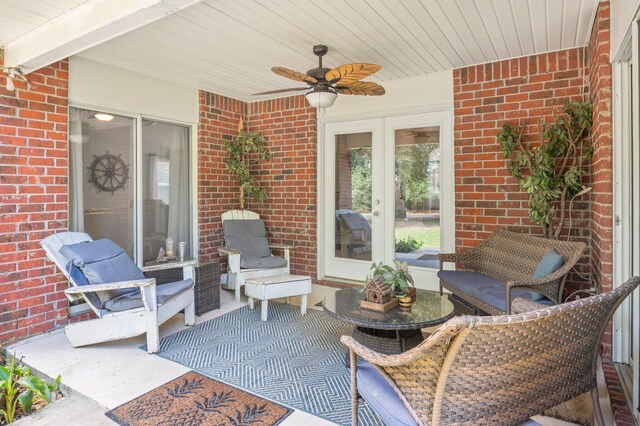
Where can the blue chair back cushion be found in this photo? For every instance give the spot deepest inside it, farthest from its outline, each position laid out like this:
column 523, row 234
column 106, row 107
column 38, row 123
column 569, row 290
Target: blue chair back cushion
column 247, row 236
column 102, row 261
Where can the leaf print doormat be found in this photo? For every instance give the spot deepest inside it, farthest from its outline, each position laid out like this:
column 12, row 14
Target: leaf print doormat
column 193, row 399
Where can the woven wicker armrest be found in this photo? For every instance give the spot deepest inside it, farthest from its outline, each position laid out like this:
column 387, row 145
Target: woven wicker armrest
column 465, row 258
column 448, row 257
column 228, row 251
column 441, row 336
column 521, row 306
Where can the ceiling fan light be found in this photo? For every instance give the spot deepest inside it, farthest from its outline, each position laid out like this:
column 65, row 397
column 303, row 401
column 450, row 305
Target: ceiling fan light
column 321, row 98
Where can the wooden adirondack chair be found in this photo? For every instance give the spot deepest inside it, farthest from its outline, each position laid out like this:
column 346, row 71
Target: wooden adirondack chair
column 248, row 250
column 121, row 312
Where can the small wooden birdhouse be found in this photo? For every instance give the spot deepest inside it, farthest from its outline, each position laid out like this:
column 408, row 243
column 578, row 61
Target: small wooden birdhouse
column 377, row 291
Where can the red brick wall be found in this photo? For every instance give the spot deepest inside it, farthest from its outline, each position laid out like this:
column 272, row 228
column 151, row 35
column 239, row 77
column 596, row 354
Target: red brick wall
column 485, row 97
column 290, row 212
column 219, row 118
column 602, row 163
column 33, row 194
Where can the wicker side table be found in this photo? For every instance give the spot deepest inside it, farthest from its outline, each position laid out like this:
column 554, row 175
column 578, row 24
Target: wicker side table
column 207, row 284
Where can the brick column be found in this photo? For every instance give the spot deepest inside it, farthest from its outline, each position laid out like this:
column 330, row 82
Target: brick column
column 33, row 193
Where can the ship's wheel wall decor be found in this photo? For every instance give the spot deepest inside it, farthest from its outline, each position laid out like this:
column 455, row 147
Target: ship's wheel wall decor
column 109, row 172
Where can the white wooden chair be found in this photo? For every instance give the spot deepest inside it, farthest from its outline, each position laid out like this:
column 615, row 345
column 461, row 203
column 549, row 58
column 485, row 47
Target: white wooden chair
column 239, row 267
column 158, row 304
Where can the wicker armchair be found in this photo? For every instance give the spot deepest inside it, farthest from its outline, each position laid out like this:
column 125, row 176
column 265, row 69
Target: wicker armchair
column 511, row 258
column 492, row 370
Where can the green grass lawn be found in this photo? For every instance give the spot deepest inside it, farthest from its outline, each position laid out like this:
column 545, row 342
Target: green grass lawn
column 425, row 231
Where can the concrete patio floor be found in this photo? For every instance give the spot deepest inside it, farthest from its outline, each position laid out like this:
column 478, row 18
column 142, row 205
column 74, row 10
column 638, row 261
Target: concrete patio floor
column 101, row 377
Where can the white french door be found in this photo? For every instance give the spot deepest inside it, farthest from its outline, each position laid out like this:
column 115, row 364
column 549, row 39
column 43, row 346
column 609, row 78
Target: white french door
column 626, row 168
column 353, row 160
column 388, row 195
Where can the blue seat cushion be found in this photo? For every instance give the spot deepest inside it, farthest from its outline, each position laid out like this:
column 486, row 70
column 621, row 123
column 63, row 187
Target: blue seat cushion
column 483, row 287
column 550, row 262
column 381, row 396
column 133, row 299
column 103, row 261
column 262, row 262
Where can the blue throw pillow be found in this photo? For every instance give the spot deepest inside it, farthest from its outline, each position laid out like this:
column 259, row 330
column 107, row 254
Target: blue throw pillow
column 551, row 262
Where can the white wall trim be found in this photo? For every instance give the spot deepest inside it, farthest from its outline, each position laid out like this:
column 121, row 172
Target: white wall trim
column 446, row 106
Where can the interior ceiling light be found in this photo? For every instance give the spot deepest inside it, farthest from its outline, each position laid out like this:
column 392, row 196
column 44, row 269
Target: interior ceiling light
column 327, row 83
column 16, row 73
column 103, row 117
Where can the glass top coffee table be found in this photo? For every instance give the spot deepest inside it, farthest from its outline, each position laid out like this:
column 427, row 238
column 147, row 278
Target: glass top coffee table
column 394, row 331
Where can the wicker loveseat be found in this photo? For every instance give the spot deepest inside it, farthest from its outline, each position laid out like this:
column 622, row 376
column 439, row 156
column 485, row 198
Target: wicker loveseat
column 501, row 268
column 496, row 370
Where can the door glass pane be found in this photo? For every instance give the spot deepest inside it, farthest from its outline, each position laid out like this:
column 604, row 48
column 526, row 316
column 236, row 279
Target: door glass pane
column 417, row 196
column 353, row 196
column 165, row 186
column 101, row 175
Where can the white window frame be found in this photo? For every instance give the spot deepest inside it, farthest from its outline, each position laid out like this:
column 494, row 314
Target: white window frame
column 136, row 171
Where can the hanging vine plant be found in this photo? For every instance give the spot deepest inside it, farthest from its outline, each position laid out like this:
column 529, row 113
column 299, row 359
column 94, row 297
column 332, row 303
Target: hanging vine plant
column 551, row 169
column 247, row 149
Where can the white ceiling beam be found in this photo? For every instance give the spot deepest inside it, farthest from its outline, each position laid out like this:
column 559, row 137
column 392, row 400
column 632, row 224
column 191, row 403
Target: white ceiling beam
column 83, row 27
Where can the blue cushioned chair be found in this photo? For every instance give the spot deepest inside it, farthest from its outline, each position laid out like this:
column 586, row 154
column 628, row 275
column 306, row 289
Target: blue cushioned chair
column 126, row 303
column 249, row 251
column 490, row 370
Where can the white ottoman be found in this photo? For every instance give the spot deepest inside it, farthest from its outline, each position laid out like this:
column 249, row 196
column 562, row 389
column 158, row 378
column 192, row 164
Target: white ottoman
column 275, row 287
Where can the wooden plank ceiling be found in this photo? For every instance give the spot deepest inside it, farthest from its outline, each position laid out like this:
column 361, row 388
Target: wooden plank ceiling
column 228, row 47
column 18, row 17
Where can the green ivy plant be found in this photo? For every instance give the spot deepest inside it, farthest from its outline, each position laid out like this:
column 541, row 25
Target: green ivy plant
column 19, row 388
column 247, row 149
column 398, row 277
column 551, row 169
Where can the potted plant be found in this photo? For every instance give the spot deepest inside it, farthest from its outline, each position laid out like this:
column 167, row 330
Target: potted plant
column 397, row 277
column 247, row 149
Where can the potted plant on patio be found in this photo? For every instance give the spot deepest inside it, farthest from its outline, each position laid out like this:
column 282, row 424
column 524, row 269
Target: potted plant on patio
column 397, row 277
column 247, row 149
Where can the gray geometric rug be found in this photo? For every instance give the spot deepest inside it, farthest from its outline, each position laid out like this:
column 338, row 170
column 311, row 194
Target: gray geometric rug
column 295, row 360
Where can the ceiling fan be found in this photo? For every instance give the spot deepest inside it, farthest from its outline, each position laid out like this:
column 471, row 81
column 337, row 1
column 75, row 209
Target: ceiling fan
column 327, row 83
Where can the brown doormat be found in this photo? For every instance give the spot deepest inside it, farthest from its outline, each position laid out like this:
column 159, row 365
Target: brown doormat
column 192, row 400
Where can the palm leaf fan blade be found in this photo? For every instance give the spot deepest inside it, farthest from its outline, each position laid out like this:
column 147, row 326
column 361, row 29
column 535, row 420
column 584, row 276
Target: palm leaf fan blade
column 350, row 73
column 362, row 88
column 291, row 89
column 294, row 75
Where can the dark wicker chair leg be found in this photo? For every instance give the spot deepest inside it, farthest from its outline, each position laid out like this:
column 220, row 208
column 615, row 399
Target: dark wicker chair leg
column 597, row 410
column 354, row 389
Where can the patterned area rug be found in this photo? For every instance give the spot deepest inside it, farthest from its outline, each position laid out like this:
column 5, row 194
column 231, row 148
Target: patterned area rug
column 295, row 360
column 194, row 400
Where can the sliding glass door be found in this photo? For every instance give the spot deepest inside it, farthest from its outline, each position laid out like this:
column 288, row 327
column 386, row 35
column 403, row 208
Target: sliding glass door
column 101, row 164
column 129, row 181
